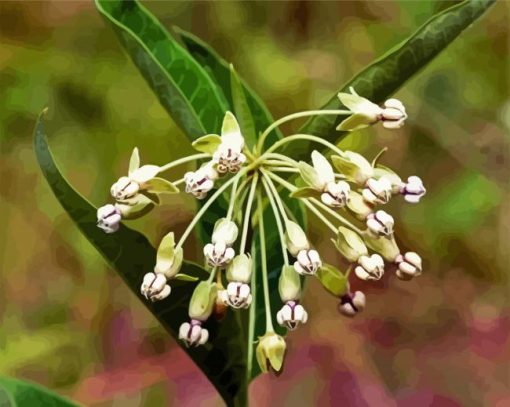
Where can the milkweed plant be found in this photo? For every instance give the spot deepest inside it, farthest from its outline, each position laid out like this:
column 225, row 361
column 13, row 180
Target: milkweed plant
column 343, row 189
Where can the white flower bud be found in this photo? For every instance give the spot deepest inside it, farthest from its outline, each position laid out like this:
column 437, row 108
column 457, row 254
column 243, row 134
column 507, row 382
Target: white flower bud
column 308, row 261
column 370, row 268
column 124, row 188
column 155, row 287
column 193, row 334
column 228, row 160
column 108, row 218
column 218, row 254
column 351, row 304
column 409, row 265
column 237, row 295
column 377, row 191
column 336, row 194
column 393, row 114
column 201, row 181
column 413, row 190
column 295, row 238
column 240, row 269
column 380, row 223
column 291, row 315
column 224, row 231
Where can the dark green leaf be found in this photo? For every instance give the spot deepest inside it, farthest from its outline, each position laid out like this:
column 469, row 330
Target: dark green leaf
column 17, row 393
column 386, row 74
column 182, row 86
column 223, row 359
column 242, row 109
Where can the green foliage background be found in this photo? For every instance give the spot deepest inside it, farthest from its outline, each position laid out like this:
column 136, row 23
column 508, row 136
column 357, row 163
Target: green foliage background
column 69, row 324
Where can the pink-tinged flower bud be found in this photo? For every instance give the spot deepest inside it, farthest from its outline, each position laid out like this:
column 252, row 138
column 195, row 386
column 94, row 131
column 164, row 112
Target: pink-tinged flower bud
column 413, row 190
column 108, row 218
column 193, row 334
column 377, row 191
column 336, row 194
column 409, row 265
column 237, row 295
column 201, row 181
column 393, row 114
column 291, row 315
column 351, row 304
column 218, row 254
column 155, row 287
column 124, row 188
column 370, row 268
column 380, row 223
column 308, row 262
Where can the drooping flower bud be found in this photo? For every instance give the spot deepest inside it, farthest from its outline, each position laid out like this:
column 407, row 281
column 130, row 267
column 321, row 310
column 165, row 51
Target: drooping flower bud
column 386, row 246
column 289, row 284
column 271, row 352
column 295, row 237
column 136, row 206
column 193, row 334
column 291, row 315
column 237, row 295
column 168, row 258
column 377, row 191
column 224, row 231
column 308, row 261
column 155, row 287
column 413, row 190
column 394, row 114
column 380, row 223
column 336, row 194
column 240, row 269
column 370, row 268
column 202, row 301
column 358, row 206
column 351, row 304
column 124, row 188
column 409, row 265
column 354, row 166
column 201, row 181
column 218, row 254
column 108, row 218
column 350, row 244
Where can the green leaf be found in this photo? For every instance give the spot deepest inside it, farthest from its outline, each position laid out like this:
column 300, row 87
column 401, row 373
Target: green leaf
column 160, row 185
column 17, row 393
column 333, row 280
column 219, row 69
column 223, row 358
column 182, row 86
column 207, row 144
column 242, row 109
column 386, row 74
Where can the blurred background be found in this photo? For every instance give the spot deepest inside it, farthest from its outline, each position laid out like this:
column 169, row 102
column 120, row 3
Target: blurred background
column 69, row 323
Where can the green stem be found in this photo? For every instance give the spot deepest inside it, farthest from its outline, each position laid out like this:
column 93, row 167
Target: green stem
column 263, row 258
column 308, row 137
column 266, row 180
column 293, row 116
column 232, row 202
column 183, row 161
column 246, row 220
column 212, row 275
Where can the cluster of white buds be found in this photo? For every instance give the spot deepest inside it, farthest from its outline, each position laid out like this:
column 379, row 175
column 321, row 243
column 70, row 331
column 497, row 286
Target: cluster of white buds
column 219, row 253
column 342, row 189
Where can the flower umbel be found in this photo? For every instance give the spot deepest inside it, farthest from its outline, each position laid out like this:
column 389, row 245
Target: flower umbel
column 341, row 189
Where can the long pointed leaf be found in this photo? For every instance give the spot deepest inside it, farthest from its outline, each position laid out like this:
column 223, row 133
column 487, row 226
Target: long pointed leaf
column 129, row 252
column 17, row 393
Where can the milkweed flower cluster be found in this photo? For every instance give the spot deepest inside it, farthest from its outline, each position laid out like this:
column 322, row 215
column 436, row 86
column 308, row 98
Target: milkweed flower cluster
column 342, row 189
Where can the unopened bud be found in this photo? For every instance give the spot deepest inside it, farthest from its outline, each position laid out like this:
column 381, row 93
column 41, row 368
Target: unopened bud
column 271, row 352
column 350, row 244
column 202, row 301
column 409, row 265
column 295, row 238
column 289, row 284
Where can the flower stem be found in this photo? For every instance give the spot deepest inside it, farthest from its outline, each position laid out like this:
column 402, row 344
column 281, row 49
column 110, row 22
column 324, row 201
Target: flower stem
column 270, row 194
column 232, row 202
column 183, row 161
column 206, row 206
column 263, row 258
column 212, row 274
column 246, row 220
column 293, row 116
column 308, row 137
